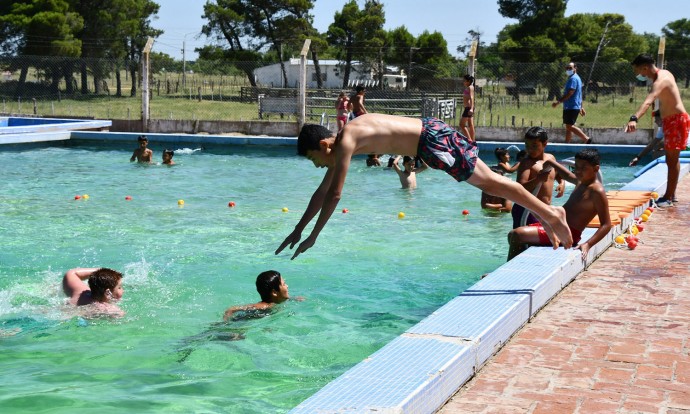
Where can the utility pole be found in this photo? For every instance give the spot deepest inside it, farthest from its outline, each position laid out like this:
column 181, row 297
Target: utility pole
column 184, row 59
column 596, row 56
column 409, row 68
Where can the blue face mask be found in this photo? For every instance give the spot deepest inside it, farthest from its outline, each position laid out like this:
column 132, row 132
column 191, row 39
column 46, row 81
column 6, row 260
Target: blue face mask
column 642, row 78
column 569, row 72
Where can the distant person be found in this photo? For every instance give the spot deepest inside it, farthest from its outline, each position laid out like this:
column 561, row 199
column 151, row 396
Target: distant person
column 503, row 159
column 168, row 157
column 572, row 104
column 587, row 200
column 373, row 160
column 436, row 143
column 142, row 154
column 655, row 145
column 467, row 118
column 491, row 202
column 272, row 289
column 357, row 102
column 100, row 296
column 675, row 120
column 342, row 105
column 408, row 175
column 532, row 173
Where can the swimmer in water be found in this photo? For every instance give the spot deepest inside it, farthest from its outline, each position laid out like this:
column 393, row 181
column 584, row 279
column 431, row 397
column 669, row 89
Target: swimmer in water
column 168, row 157
column 272, row 289
column 99, row 297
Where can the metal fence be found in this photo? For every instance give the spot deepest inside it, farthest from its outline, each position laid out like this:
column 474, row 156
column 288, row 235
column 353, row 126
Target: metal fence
column 507, row 93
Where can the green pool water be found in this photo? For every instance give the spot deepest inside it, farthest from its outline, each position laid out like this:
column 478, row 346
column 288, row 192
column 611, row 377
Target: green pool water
column 369, row 277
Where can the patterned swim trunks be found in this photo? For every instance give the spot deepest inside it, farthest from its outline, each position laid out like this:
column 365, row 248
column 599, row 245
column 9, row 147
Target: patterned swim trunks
column 676, row 129
column 444, row 148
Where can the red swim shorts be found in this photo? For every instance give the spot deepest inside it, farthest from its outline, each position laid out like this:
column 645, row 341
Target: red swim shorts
column 544, row 238
column 676, row 129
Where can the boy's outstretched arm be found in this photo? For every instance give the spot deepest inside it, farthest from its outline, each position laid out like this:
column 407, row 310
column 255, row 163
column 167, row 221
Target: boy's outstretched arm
column 315, row 204
column 330, row 202
column 551, row 217
column 561, row 170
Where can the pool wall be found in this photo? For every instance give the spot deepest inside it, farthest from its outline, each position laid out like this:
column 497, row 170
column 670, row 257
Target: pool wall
column 418, row 371
column 21, row 130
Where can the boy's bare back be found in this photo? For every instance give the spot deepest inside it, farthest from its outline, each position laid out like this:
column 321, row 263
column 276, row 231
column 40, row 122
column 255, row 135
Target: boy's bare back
column 380, row 134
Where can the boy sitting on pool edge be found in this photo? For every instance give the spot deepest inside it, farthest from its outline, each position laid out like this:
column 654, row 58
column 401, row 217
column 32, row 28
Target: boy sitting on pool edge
column 587, row 200
column 104, row 288
column 437, row 144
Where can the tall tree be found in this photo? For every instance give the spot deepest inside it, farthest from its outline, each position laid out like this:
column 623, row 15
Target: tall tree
column 358, row 34
column 678, row 48
column 250, row 25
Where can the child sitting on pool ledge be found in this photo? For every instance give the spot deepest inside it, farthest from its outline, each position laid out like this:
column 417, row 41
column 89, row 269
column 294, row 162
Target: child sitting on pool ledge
column 437, row 144
column 272, row 289
column 105, row 287
column 587, row 200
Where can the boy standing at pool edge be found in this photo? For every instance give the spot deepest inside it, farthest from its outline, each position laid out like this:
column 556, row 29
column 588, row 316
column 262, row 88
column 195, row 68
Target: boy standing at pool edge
column 437, row 144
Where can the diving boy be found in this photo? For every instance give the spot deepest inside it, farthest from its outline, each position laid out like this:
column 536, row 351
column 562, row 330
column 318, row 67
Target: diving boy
column 104, row 288
column 437, row 144
column 532, row 174
column 408, row 175
column 142, row 154
column 272, row 289
column 587, row 200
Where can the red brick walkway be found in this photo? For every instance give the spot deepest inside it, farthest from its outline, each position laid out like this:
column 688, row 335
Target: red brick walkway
column 616, row 340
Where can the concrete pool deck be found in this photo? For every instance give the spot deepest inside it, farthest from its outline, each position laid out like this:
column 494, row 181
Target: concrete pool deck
column 616, row 340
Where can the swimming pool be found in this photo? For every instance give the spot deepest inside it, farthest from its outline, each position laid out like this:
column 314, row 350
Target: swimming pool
column 369, row 277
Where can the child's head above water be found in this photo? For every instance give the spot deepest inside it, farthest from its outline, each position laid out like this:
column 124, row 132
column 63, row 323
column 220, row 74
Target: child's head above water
column 104, row 284
column 272, row 287
column 501, row 154
column 167, row 156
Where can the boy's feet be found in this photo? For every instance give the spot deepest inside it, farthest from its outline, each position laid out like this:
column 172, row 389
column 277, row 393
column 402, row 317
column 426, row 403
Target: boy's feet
column 675, row 200
column 664, row 202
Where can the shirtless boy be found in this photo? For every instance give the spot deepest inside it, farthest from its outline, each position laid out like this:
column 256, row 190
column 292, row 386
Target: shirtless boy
column 532, row 173
column 142, row 154
column 408, row 175
column 357, row 102
column 104, row 288
column 272, row 289
column 675, row 120
column 437, row 144
column 587, row 200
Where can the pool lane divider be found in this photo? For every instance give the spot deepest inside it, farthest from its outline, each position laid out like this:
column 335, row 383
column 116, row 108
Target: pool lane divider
column 421, row 369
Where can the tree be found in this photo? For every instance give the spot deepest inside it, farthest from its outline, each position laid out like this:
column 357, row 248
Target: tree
column 250, row 25
column 432, row 59
column 358, row 34
column 678, row 48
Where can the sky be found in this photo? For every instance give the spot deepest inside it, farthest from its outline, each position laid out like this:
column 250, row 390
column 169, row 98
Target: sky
column 181, row 20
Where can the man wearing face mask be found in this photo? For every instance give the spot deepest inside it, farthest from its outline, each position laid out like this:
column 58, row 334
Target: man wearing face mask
column 572, row 104
column 674, row 118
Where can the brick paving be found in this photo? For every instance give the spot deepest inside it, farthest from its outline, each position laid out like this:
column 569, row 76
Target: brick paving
column 616, row 340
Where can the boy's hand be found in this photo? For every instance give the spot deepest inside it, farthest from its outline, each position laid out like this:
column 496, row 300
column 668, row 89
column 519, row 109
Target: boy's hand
column 585, row 249
column 560, row 190
column 303, row 247
column 291, row 239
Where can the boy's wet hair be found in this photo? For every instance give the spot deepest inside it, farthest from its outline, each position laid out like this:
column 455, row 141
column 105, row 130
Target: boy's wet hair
column 537, row 132
column 643, row 59
column 310, row 136
column 169, row 152
column 102, row 280
column 470, row 79
column 406, row 158
column 500, row 152
column 142, row 138
column 266, row 283
column 591, row 155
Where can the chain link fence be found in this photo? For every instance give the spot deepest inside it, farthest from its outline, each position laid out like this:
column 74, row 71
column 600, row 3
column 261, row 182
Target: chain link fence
column 508, row 94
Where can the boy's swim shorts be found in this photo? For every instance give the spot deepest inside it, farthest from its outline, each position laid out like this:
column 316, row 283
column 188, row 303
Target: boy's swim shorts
column 444, row 148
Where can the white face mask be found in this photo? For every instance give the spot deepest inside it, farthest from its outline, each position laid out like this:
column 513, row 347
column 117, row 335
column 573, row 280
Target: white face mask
column 642, row 78
column 569, row 72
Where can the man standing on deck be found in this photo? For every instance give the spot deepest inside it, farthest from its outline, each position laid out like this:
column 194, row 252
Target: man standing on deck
column 674, row 118
column 572, row 104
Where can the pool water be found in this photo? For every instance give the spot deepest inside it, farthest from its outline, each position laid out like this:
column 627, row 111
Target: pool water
column 369, row 277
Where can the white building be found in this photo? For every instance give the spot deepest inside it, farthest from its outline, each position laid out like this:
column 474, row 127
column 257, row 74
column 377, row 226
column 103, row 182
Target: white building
column 331, row 73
